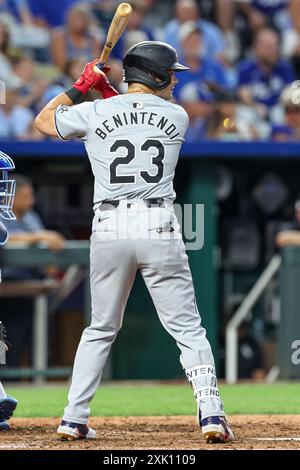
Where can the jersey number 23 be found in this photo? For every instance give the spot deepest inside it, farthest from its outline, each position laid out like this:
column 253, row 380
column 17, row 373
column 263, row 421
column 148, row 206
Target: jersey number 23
column 119, row 161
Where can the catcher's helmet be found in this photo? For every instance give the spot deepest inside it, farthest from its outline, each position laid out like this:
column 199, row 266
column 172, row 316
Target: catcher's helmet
column 149, row 59
column 7, row 187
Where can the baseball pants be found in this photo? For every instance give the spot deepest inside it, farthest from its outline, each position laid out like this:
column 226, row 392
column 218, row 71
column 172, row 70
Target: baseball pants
column 159, row 253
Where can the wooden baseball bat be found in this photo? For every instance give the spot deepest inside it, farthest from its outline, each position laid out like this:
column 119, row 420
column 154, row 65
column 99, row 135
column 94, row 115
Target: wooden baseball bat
column 117, row 26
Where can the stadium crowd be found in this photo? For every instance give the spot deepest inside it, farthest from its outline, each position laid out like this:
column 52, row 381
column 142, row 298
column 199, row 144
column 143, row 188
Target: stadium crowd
column 243, row 58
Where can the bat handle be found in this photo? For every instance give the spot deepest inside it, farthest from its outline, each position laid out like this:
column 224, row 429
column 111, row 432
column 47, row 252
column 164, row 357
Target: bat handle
column 98, row 67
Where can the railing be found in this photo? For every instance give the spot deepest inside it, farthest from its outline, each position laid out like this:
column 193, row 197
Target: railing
column 30, row 372
column 75, row 253
column 267, row 275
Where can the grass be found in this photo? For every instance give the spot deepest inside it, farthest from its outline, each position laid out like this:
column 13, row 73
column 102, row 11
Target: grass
column 142, row 400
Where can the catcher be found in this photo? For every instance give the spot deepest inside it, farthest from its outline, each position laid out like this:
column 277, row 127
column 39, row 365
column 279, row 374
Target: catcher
column 7, row 190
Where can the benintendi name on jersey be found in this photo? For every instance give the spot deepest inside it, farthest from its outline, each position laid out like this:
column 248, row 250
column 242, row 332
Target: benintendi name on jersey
column 132, row 118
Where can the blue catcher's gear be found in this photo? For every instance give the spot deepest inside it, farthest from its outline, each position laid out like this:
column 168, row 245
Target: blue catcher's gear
column 8, row 403
column 3, row 234
column 7, row 408
column 7, row 187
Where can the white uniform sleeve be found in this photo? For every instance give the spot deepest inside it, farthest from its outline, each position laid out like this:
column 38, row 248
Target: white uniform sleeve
column 72, row 121
column 184, row 120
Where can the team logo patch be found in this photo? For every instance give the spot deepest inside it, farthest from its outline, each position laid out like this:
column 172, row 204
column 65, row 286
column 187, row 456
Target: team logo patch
column 63, row 109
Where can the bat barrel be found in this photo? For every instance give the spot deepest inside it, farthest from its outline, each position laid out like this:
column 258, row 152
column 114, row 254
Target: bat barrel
column 116, row 28
column 124, row 9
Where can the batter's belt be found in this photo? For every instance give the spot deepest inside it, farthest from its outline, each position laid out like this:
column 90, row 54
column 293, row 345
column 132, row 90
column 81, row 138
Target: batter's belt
column 108, row 205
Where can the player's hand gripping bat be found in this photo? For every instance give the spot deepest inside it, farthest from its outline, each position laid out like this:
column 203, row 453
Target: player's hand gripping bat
column 118, row 24
column 93, row 75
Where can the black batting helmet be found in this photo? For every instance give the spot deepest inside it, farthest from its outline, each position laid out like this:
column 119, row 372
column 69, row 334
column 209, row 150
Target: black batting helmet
column 148, row 60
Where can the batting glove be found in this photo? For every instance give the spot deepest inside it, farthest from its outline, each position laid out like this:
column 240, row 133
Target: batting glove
column 98, row 80
column 105, row 88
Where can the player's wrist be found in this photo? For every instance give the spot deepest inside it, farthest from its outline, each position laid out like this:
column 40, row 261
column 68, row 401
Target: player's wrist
column 83, row 85
column 75, row 94
column 89, row 78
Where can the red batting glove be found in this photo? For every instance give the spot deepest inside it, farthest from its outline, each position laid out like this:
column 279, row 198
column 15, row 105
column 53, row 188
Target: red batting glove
column 89, row 78
column 98, row 80
column 105, row 88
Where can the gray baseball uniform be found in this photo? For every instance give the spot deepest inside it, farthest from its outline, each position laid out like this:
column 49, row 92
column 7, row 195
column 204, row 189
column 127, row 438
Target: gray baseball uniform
column 133, row 143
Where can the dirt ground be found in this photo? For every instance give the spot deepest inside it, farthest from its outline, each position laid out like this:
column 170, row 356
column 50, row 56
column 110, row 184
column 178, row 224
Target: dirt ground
column 165, row 432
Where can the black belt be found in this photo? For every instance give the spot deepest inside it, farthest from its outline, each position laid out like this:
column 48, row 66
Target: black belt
column 153, row 202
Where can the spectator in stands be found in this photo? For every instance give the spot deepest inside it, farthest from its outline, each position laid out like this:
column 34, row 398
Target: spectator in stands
column 104, row 12
column 16, row 121
column 77, row 39
column 63, row 81
column 262, row 13
column 6, row 72
column 199, row 103
column 226, row 121
column 294, row 34
column 28, row 227
column 188, row 10
column 46, row 12
column 32, row 87
column 239, row 19
column 225, row 17
column 202, row 70
column 291, row 112
column 291, row 236
column 283, row 15
column 136, row 31
column 289, row 129
column 262, row 79
column 281, row 133
column 157, row 14
column 24, row 33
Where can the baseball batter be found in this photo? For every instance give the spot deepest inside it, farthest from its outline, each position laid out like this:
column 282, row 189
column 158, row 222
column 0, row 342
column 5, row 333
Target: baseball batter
column 133, row 143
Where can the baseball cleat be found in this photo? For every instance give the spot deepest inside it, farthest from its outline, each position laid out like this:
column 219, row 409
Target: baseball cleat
column 71, row 431
column 4, row 426
column 7, row 407
column 216, row 430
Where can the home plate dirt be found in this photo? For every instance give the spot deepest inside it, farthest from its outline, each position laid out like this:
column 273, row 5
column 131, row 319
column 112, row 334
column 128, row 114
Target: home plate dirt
column 155, row 432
